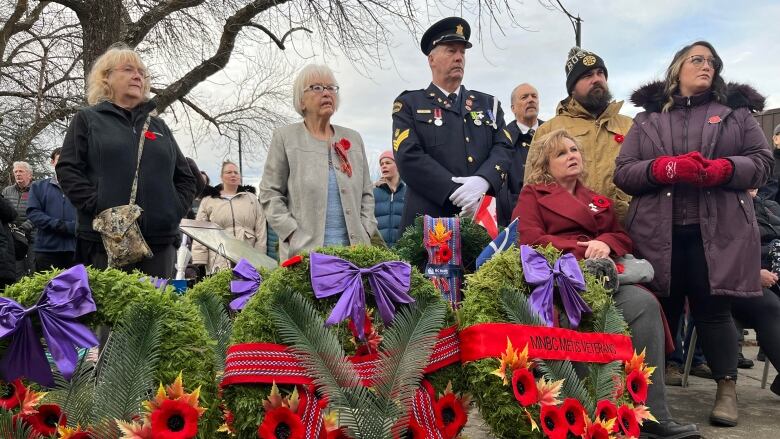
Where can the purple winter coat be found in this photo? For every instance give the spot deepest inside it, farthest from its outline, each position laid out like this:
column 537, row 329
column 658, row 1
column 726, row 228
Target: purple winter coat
column 728, row 224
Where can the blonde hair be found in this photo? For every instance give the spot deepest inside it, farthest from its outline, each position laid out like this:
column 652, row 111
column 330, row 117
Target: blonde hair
column 672, row 80
column 306, row 75
column 119, row 54
column 539, row 167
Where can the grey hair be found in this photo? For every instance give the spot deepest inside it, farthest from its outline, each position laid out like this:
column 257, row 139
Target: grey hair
column 24, row 165
column 306, row 75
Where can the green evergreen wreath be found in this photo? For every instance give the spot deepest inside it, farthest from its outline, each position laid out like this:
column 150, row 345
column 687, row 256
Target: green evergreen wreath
column 474, row 239
column 219, row 284
column 255, row 324
column 490, row 291
column 184, row 340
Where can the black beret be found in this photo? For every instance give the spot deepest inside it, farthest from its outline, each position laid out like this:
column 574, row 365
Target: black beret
column 451, row 29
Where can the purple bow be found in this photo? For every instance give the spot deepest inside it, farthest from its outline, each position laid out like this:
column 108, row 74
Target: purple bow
column 246, row 286
column 65, row 298
column 566, row 273
column 331, row 275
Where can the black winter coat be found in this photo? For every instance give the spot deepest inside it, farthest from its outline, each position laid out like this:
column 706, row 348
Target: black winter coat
column 768, row 217
column 97, row 167
column 7, row 253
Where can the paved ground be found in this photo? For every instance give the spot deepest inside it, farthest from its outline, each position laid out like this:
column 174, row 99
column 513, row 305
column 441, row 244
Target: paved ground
column 759, row 408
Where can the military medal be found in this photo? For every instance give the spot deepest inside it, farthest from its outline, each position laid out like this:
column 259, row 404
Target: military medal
column 477, row 116
column 492, row 117
column 437, row 116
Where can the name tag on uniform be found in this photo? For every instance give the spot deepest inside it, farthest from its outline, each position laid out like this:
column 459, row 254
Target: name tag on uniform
column 423, row 111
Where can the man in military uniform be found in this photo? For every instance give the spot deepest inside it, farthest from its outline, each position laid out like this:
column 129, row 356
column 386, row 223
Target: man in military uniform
column 450, row 144
column 525, row 106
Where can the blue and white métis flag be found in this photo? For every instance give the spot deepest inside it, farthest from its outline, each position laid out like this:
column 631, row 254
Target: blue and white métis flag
column 502, row 242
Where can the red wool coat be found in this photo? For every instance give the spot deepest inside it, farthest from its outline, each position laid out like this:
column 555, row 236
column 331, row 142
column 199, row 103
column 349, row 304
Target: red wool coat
column 551, row 215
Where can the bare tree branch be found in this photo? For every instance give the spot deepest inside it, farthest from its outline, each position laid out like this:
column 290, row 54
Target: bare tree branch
column 279, row 42
column 137, row 31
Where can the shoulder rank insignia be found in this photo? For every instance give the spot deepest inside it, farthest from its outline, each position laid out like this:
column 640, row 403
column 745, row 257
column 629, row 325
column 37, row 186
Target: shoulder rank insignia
column 508, row 136
column 397, row 106
column 400, row 136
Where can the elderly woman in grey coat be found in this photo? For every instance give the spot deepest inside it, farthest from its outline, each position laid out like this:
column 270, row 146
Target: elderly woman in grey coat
column 316, row 189
column 688, row 162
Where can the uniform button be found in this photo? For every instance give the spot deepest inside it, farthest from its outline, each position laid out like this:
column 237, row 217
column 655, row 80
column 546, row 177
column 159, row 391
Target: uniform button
column 349, row 211
column 343, row 191
column 668, row 194
column 742, row 201
column 525, row 144
column 351, row 236
column 464, row 120
column 467, row 139
column 471, row 159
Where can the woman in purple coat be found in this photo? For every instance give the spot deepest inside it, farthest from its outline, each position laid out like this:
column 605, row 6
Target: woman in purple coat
column 688, row 162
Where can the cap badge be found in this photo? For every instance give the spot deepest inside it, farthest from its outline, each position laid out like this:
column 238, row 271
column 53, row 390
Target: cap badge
column 459, row 29
column 589, row 60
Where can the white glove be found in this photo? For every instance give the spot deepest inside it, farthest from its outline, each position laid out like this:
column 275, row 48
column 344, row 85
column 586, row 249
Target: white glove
column 470, row 210
column 470, row 191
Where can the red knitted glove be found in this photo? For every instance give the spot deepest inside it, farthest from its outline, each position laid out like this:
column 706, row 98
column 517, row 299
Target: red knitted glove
column 717, row 172
column 681, row 169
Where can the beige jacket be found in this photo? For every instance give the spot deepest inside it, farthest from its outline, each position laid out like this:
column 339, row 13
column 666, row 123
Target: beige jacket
column 294, row 189
column 600, row 145
column 240, row 216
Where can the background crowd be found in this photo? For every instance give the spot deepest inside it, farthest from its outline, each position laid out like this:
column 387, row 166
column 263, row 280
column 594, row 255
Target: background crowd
column 690, row 185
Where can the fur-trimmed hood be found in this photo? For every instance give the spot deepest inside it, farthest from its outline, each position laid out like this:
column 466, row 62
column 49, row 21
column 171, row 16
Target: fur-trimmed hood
column 214, row 191
column 651, row 97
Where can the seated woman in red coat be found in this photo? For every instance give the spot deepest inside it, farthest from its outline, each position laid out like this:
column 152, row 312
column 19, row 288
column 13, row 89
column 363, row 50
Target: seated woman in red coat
column 556, row 208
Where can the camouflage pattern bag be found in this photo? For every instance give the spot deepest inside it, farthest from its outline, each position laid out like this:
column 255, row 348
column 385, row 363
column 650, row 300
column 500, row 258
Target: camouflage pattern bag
column 118, row 225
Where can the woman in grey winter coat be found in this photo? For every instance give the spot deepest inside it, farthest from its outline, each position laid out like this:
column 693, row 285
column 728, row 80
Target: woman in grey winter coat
column 688, row 162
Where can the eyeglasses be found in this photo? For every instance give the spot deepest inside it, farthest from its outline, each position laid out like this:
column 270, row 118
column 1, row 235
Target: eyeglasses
column 698, row 61
column 129, row 70
column 318, row 88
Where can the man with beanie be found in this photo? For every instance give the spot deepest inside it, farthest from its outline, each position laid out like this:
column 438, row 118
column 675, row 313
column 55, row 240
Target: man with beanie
column 772, row 187
column 591, row 116
column 450, row 143
column 389, row 196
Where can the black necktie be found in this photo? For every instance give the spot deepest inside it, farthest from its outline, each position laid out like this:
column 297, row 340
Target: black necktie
column 453, row 97
column 531, row 133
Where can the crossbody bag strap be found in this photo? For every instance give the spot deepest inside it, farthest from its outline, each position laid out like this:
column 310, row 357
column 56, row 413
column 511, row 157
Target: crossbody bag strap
column 138, row 164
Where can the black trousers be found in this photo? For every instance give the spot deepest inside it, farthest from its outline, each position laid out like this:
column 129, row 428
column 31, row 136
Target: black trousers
column 717, row 334
column 49, row 260
column 763, row 315
column 160, row 265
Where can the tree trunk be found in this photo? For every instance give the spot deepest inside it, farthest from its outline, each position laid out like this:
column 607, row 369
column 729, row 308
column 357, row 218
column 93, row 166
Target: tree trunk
column 102, row 26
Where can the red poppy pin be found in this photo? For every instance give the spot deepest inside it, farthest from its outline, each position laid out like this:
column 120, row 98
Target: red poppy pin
column 149, row 135
column 292, row 261
column 619, row 138
column 600, row 201
column 714, row 119
column 344, row 144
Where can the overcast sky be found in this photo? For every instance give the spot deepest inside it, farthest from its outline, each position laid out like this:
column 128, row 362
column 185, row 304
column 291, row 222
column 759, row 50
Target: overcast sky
column 635, row 38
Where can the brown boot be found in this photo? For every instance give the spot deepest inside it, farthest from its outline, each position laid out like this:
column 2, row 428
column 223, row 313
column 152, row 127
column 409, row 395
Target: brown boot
column 724, row 412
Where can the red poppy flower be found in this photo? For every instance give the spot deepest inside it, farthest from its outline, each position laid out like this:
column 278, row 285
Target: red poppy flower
column 553, row 423
column 174, row 420
column 574, row 415
column 11, row 394
column 149, row 135
column 524, row 387
column 619, row 138
column 413, row 431
column 281, row 423
column 47, row 419
column 292, row 261
column 600, row 201
column 596, row 431
column 344, row 144
column 450, row 417
column 627, row 421
column 714, row 119
column 606, row 410
column 444, row 253
column 636, row 383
